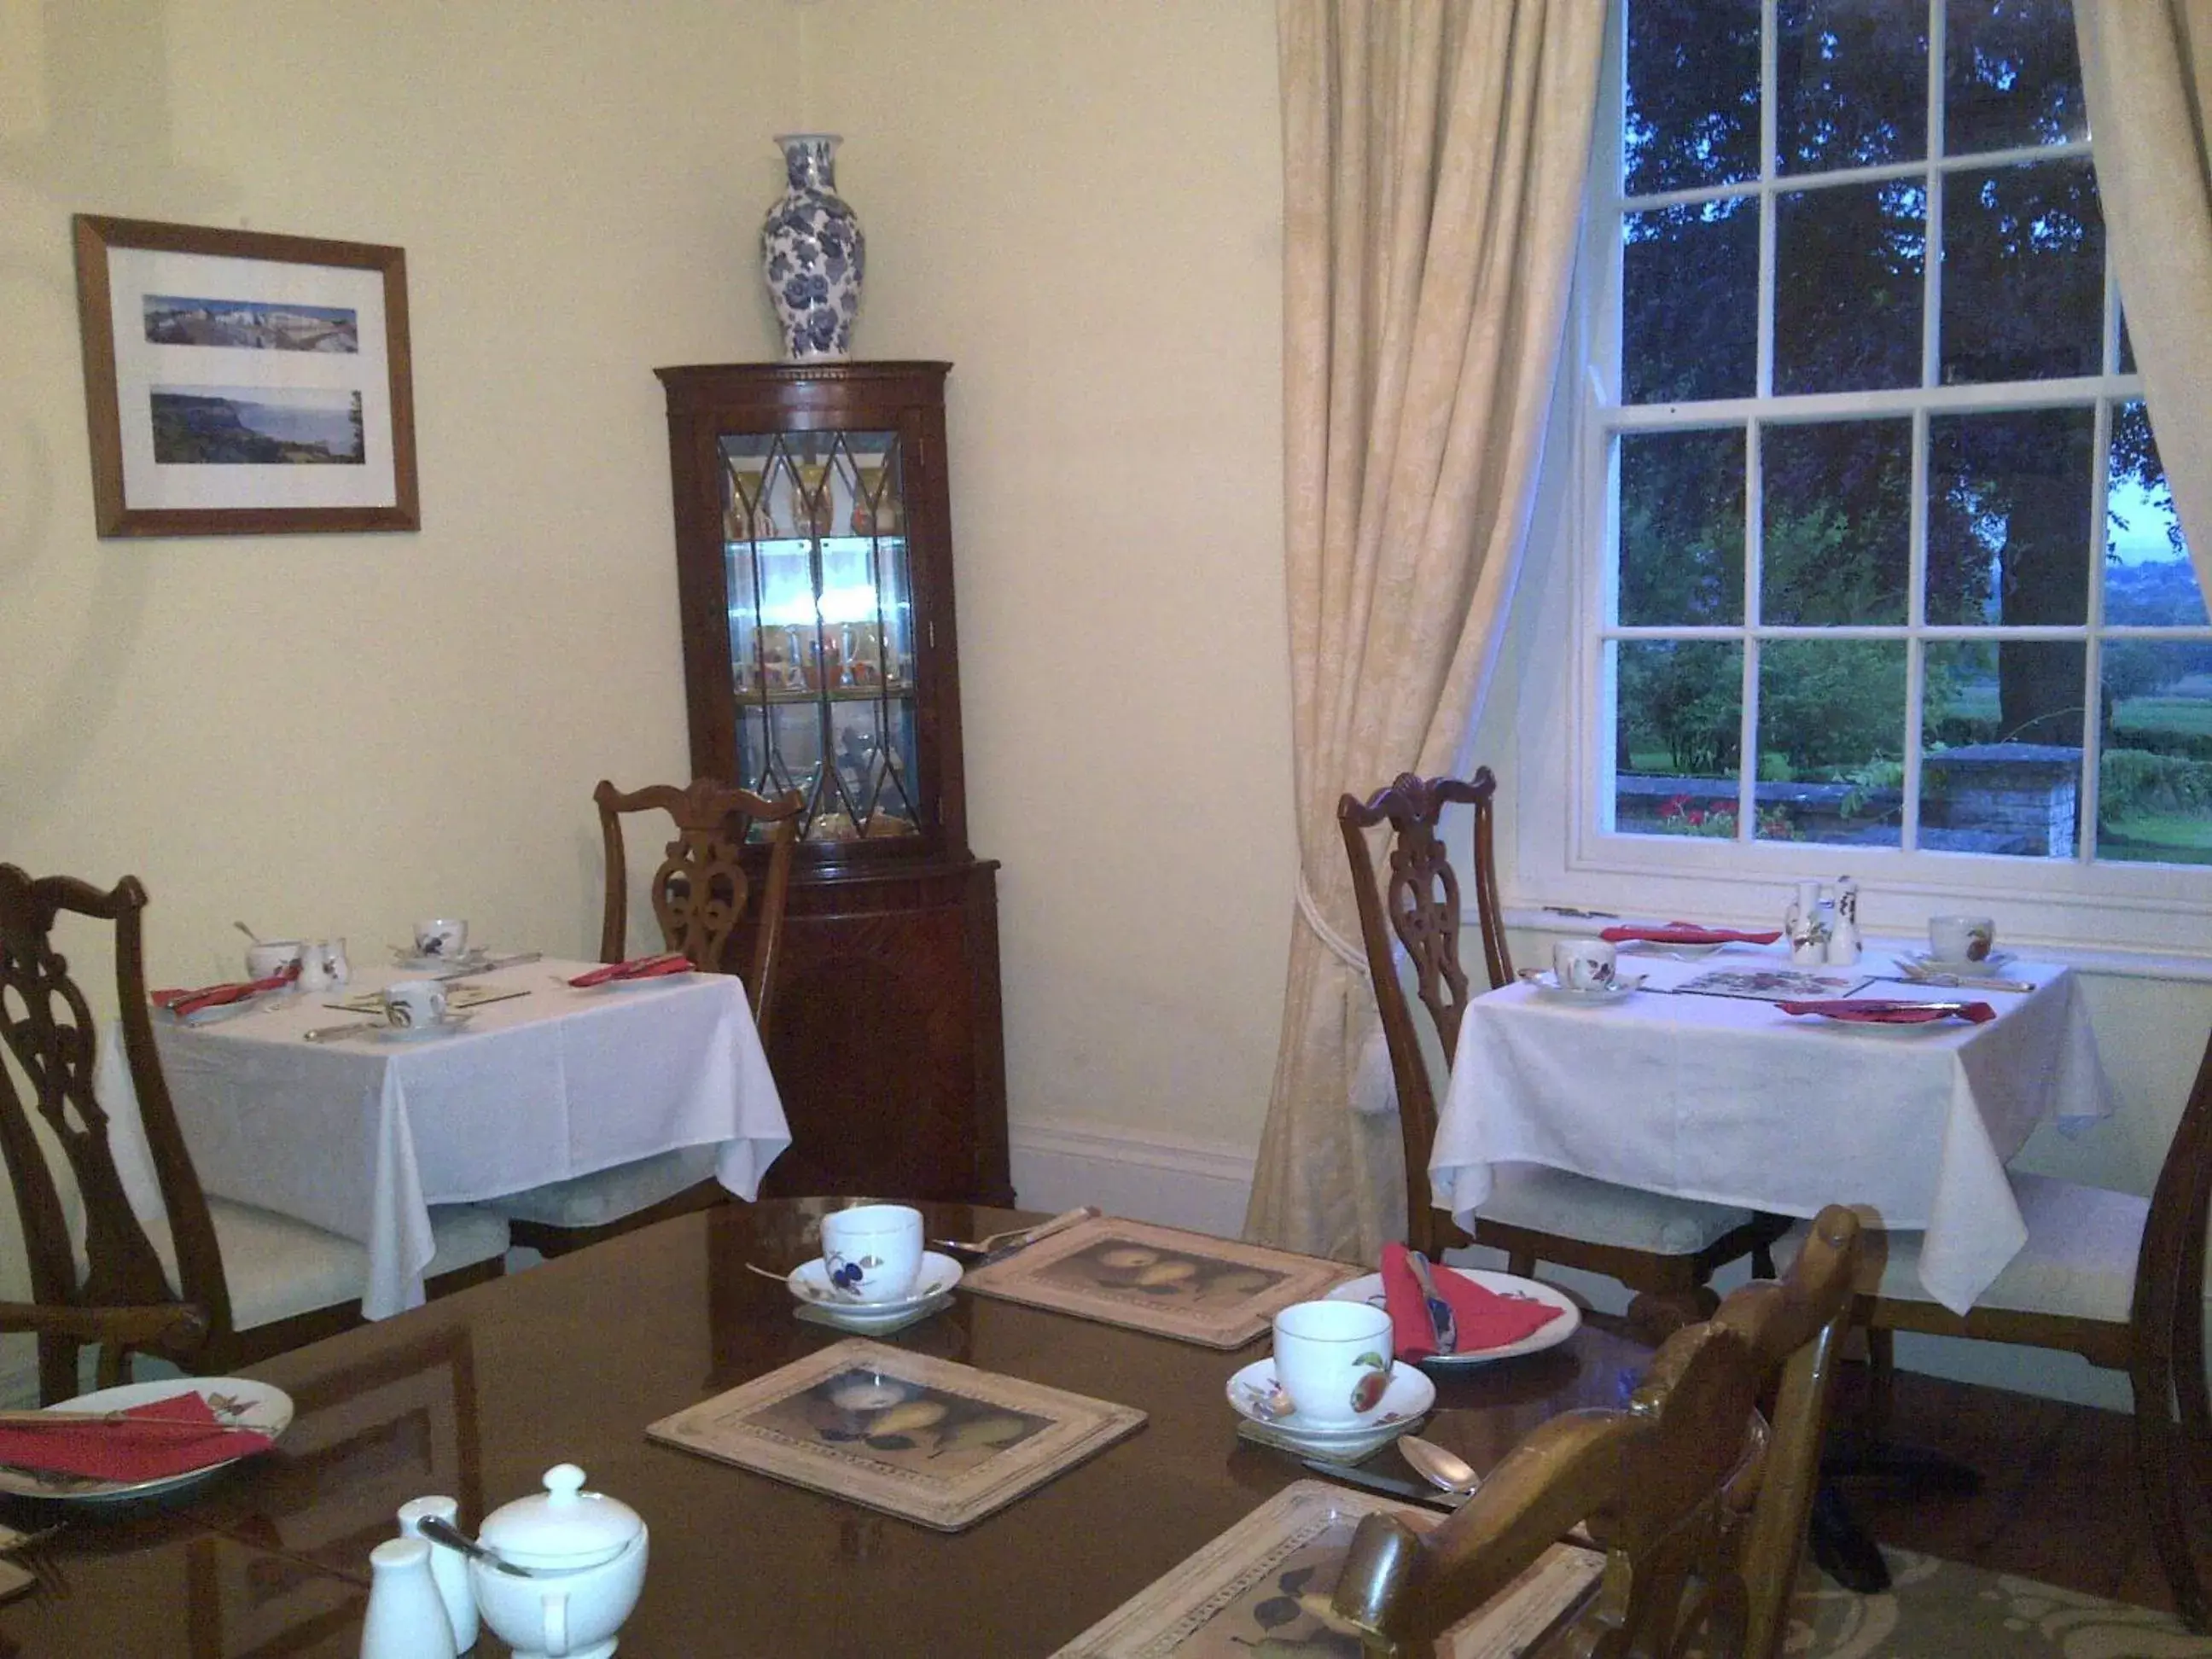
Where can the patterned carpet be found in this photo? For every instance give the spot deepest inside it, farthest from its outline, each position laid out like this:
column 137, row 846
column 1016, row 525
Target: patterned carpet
column 1941, row 1610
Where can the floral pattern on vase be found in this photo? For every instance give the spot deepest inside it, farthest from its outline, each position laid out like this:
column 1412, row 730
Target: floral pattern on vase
column 812, row 253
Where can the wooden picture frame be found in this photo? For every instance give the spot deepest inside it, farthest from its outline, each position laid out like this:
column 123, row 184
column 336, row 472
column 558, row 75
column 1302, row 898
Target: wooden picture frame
column 928, row 1440
column 1216, row 1292
column 242, row 383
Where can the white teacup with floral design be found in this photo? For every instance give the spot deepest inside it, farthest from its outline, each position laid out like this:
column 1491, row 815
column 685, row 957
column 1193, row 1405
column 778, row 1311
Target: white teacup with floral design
column 443, row 937
column 1332, row 1358
column 1961, row 938
column 873, row 1252
column 414, row 1003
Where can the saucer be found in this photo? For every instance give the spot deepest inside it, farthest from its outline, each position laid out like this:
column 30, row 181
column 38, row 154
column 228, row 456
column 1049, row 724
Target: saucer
column 445, row 1026
column 872, row 1324
column 809, row 1283
column 1924, row 962
column 1546, row 985
column 1405, row 1402
column 467, row 961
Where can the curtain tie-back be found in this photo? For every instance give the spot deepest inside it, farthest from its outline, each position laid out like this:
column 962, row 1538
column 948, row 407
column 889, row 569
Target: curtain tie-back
column 1351, row 955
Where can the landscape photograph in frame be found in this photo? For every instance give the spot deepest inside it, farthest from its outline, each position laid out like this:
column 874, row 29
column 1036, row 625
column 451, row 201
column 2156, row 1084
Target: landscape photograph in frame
column 239, row 382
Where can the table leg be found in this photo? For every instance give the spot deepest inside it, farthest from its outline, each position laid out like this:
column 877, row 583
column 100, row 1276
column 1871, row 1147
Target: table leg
column 1841, row 1546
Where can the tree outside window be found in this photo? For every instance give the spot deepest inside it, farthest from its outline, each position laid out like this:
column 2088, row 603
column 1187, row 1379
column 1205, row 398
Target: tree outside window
column 1892, row 560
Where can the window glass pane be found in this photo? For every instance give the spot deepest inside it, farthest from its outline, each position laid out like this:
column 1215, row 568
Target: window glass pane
column 1848, row 287
column 2011, row 75
column 2149, row 581
column 2154, row 780
column 1689, row 325
column 1681, row 528
column 1693, row 106
column 1836, row 500
column 1831, row 741
column 1677, row 734
column 2023, row 274
column 2008, row 519
column 1991, row 782
column 1851, row 84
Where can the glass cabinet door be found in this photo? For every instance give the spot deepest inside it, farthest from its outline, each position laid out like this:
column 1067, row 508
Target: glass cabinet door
column 821, row 617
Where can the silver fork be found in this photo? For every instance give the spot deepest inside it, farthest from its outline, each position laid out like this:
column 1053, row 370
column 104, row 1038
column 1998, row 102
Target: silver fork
column 1015, row 1239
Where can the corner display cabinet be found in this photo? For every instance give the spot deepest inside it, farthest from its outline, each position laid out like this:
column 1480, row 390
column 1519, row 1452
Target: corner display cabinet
column 814, row 571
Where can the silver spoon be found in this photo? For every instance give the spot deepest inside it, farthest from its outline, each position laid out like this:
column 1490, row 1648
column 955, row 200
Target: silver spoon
column 1446, row 1471
column 440, row 1530
column 248, row 932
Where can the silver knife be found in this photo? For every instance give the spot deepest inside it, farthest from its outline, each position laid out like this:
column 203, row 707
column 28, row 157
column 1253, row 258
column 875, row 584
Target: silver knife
column 1353, row 1476
column 492, row 966
column 1442, row 1325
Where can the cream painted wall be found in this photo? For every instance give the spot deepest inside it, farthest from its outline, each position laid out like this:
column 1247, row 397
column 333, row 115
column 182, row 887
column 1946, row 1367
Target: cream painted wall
column 1077, row 205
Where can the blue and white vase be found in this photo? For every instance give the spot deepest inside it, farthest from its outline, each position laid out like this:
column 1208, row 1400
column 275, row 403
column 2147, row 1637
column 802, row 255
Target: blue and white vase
column 812, row 253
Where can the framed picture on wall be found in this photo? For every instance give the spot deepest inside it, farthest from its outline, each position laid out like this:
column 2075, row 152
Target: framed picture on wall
column 238, row 382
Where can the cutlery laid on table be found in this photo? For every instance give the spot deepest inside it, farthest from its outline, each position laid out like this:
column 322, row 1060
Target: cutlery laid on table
column 1352, row 1475
column 1443, row 1328
column 995, row 1245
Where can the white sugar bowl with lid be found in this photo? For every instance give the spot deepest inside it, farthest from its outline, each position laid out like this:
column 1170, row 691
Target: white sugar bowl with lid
column 586, row 1553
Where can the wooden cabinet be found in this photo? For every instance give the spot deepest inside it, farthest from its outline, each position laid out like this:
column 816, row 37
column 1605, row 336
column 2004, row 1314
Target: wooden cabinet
column 814, row 575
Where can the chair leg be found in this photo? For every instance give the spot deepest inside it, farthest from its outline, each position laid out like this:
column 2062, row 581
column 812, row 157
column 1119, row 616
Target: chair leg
column 57, row 1368
column 2189, row 1383
column 1521, row 1264
column 1881, row 1380
column 2155, row 1451
column 1762, row 1261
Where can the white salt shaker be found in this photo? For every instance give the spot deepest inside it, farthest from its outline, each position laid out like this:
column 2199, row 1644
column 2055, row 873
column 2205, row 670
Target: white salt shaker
column 449, row 1569
column 1843, row 941
column 406, row 1619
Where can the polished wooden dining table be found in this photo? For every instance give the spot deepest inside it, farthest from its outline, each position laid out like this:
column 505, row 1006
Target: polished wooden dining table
column 476, row 1394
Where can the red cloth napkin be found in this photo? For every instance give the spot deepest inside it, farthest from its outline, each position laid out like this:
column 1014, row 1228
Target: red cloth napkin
column 181, row 1003
column 1486, row 1319
column 173, row 1436
column 1688, row 932
column 668, row 961
column 1875, row 1011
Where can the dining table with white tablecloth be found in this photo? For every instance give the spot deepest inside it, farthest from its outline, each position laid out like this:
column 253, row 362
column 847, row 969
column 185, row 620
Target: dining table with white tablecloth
column 361, row 1134
column 1733, row 1101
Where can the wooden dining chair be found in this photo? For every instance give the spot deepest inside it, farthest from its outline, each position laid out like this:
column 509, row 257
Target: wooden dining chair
column 254, row 1283
column 1667, row 1248
column 1699, row 1505
column 2113, row 1277
column 704, row 899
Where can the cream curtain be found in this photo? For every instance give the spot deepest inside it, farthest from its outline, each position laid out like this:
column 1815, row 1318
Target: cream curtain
column 2146, row 69
column 1434, row 156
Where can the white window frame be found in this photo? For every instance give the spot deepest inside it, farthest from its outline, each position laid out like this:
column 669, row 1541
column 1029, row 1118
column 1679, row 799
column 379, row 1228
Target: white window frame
column 1563, row 743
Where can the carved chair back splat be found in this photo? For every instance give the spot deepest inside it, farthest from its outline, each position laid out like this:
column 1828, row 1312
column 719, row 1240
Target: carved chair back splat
column 47, row 1026
column 701, row 890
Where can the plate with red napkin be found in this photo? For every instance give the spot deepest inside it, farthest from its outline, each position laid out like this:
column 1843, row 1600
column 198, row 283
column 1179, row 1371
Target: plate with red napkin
column 638, row 970
column 1499, row 1315
column 1686, row 938
column 212, row 1001
column 1880, row 1010
column 161, row 1435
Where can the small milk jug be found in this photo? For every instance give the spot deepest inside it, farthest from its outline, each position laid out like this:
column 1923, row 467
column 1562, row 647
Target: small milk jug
column 1807, row 928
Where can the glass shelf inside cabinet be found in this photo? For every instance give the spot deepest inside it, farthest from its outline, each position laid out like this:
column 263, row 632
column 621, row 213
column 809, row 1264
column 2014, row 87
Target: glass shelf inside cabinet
column 820, row 614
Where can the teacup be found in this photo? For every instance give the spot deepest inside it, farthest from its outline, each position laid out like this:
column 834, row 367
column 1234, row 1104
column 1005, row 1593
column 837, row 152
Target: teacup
column 1332, row 1358
column 873, row 1252
column 414, row 1002
column 1961, row 938
column 1583, row 965
column 270, row 957
column 442, row 937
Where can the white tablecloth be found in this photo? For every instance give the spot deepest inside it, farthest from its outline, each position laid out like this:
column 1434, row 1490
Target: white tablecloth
column 361, row 1137
column 1735, row 1102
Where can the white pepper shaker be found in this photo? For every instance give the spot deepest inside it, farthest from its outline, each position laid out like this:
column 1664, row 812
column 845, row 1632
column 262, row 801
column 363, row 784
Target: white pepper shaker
column 1843, row 941
column 406, row 1618
column 449, row 1569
